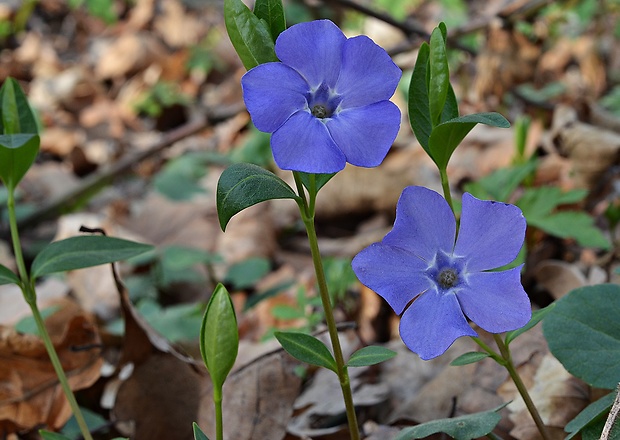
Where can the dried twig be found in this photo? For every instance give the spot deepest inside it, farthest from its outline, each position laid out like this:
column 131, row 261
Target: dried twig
column 99, row 180
column 613, row 416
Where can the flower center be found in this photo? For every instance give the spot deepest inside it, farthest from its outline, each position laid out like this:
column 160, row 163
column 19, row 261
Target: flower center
column 447, row 278
column 323, row 102
column 319, row 111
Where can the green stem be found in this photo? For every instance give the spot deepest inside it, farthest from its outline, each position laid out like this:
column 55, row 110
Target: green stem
column 31, row 298
column 219, row 422
column 307, row 215
column 512, row 371
column 445, row 185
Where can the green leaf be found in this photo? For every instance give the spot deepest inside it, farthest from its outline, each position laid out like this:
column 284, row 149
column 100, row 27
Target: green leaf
column 247, row 272
column 469, row 358
column 584, row 337
column 249, row 34
column 460, row 428
column 272, row 12
column 7, row 276
column 243, row 185
column 319, row 180
column 537, row 316
column 219, row 336
column 84, row 251
column 419, row 111
column 439, row 80
column 307, row 349
column 572, row 224
column 198, row 434
column 19, row 140
column 593, row 412
column 451, row 107
column 446, row 136
column 27, row 325
column 500, row 184
column 47, row 435
column 370, row 356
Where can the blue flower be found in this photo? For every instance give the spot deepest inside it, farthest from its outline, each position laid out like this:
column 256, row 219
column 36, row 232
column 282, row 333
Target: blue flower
column 327, row 101
column 419, row 268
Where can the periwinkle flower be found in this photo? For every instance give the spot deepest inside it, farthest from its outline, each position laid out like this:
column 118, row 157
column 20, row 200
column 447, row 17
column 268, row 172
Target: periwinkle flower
column 419, row 268
column 327, row 101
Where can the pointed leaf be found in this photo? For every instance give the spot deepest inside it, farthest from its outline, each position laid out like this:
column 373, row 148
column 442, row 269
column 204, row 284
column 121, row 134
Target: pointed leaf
column 469, row 358
column 572, row 224
column 583, row 337
column 319, row 182
column 370, row 356
column 419, row 112
column 249, row 34
column 243, row 185
column 451, row 107
column 307, row 349
column 219, row 336
column 7, row 276
column 272, row 12
column 460, row 428
column 198, row 434
column 84, row 251
column 537, row 316
column 448, row 135
column 19, row 140
column 593, row 412
column 439, row 82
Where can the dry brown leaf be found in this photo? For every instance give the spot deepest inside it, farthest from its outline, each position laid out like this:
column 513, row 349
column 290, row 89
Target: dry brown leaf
column 13, row 307
column 176, row 26
column 127, row 54
column 559, row 277
column 30, row 395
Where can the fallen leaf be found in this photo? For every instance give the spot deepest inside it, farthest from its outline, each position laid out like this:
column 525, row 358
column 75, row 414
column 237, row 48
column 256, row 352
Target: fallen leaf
column 30, row 395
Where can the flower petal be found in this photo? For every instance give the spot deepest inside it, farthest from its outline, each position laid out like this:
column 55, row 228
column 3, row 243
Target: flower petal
column 314, row 49
column 496, row 301
column 272, row 93
column 393, row 273
column 424, row 224
column 304, row 144
column 491, row 233
column 432, row 323
column 365, row 134
column 367, row 75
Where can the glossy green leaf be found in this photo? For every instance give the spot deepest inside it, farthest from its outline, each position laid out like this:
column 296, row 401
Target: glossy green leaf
column 419, row 112
column 370, row 356
column 198, row 434
column 320, row 180
column 250, row 35
column 448, row 135
column 243, row 185
column 583, row 335
column 19, row 139
column 219, row 336
column 7, row 276
column 469, row 358
column 439, row 79
column 451, row 107
column 84, row 251
column 460, row 428
column 537, row 316
column 594, row 412
column 307, row 349
column 272, row 11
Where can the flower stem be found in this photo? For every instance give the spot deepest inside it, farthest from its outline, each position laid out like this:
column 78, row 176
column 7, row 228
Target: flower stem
column 445, row 185
column 307, row 215
column 219, row 422
column 27, row 287
column 512, row 371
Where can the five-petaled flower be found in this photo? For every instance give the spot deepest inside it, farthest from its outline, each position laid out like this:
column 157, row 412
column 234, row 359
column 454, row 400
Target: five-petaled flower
column 419, row 265
column 327, row 101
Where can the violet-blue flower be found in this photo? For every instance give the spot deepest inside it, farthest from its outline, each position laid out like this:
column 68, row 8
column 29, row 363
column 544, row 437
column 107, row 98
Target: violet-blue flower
column 327, row 101
column 419, row 268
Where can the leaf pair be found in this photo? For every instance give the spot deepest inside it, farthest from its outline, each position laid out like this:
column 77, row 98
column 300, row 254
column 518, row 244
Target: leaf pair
column 433, row 109
column 19, row 138
column 253, row 33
